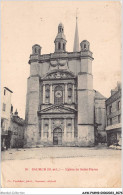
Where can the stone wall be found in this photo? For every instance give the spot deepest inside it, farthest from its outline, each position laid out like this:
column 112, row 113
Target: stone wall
column 17, row 128
column 100, row 118
column 32, row 123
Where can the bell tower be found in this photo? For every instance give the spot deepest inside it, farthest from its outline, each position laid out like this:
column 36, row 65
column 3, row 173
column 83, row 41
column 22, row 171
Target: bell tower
column 85, row 97
column 60, row 40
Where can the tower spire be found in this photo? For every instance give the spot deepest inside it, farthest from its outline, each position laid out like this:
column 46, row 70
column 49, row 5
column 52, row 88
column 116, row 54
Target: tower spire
column 60, row 40
column 76, row 37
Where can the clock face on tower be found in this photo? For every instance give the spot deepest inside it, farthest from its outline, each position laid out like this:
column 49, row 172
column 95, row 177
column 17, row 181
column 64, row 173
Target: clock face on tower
column 58, row 94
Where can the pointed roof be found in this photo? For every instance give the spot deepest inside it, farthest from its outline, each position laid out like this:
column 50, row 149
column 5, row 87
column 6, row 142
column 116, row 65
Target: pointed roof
column 8, row 89
column 60, row 34
column 76, row 39
column 98, row 95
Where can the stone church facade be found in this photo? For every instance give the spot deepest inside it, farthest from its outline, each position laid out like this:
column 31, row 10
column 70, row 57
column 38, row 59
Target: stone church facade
column 60, row 104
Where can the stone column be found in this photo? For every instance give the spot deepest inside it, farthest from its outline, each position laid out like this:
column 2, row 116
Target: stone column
column 42, row 131
column 66, row 93
column 50, row 126
column 51, row 94
column 72, row 129
column 43, row 93
column 65, row 129
column 73, row 94
column 63, row 96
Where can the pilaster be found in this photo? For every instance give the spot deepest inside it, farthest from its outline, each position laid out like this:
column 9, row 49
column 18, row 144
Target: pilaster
column 50, row 140
column 65, row 129
column 66, row 93
column 43, row 93
column 72, row 129
column 42, row 129
column 73, row 94
column 51, row 94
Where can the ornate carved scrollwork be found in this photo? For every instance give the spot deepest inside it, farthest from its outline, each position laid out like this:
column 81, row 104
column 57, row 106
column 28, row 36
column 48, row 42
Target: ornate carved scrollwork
column 59, row 75
column 58, row 62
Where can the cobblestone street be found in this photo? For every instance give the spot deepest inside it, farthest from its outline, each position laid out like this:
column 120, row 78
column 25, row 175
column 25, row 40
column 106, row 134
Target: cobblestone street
column 47, row 166
column 59, row 152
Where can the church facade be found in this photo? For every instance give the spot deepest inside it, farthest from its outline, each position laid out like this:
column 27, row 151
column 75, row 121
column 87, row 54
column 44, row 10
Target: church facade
column 61, row 104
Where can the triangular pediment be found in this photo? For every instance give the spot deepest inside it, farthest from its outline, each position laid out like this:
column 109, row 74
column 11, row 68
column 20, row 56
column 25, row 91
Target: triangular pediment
column 58, row 109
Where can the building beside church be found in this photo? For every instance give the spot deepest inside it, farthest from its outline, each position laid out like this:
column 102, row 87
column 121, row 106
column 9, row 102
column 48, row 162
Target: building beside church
column 12, row 126
column 62, row 108
column 6, row 109
column 17, row 127
column 113, row 115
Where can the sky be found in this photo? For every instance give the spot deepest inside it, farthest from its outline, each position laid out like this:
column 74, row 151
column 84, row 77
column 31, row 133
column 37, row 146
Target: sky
column 25, row 23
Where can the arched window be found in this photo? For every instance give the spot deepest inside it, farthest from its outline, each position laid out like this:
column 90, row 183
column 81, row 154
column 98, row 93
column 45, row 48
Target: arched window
column 59, row 45
column 47, row 93
column 69, row 90
column 38, row 51
column 58, row 95
column 84, row 46
column 63, row 46
column 35, row 50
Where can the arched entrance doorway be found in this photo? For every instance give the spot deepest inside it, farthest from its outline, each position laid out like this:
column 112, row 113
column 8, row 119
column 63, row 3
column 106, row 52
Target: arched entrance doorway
column 57, row 136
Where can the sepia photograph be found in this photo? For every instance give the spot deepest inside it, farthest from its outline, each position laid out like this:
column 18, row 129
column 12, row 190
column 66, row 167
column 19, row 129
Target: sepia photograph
column 61, row 94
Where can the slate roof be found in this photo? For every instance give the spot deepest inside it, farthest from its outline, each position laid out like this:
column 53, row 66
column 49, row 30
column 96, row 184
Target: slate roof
column 18, row 120
column 98, row 95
